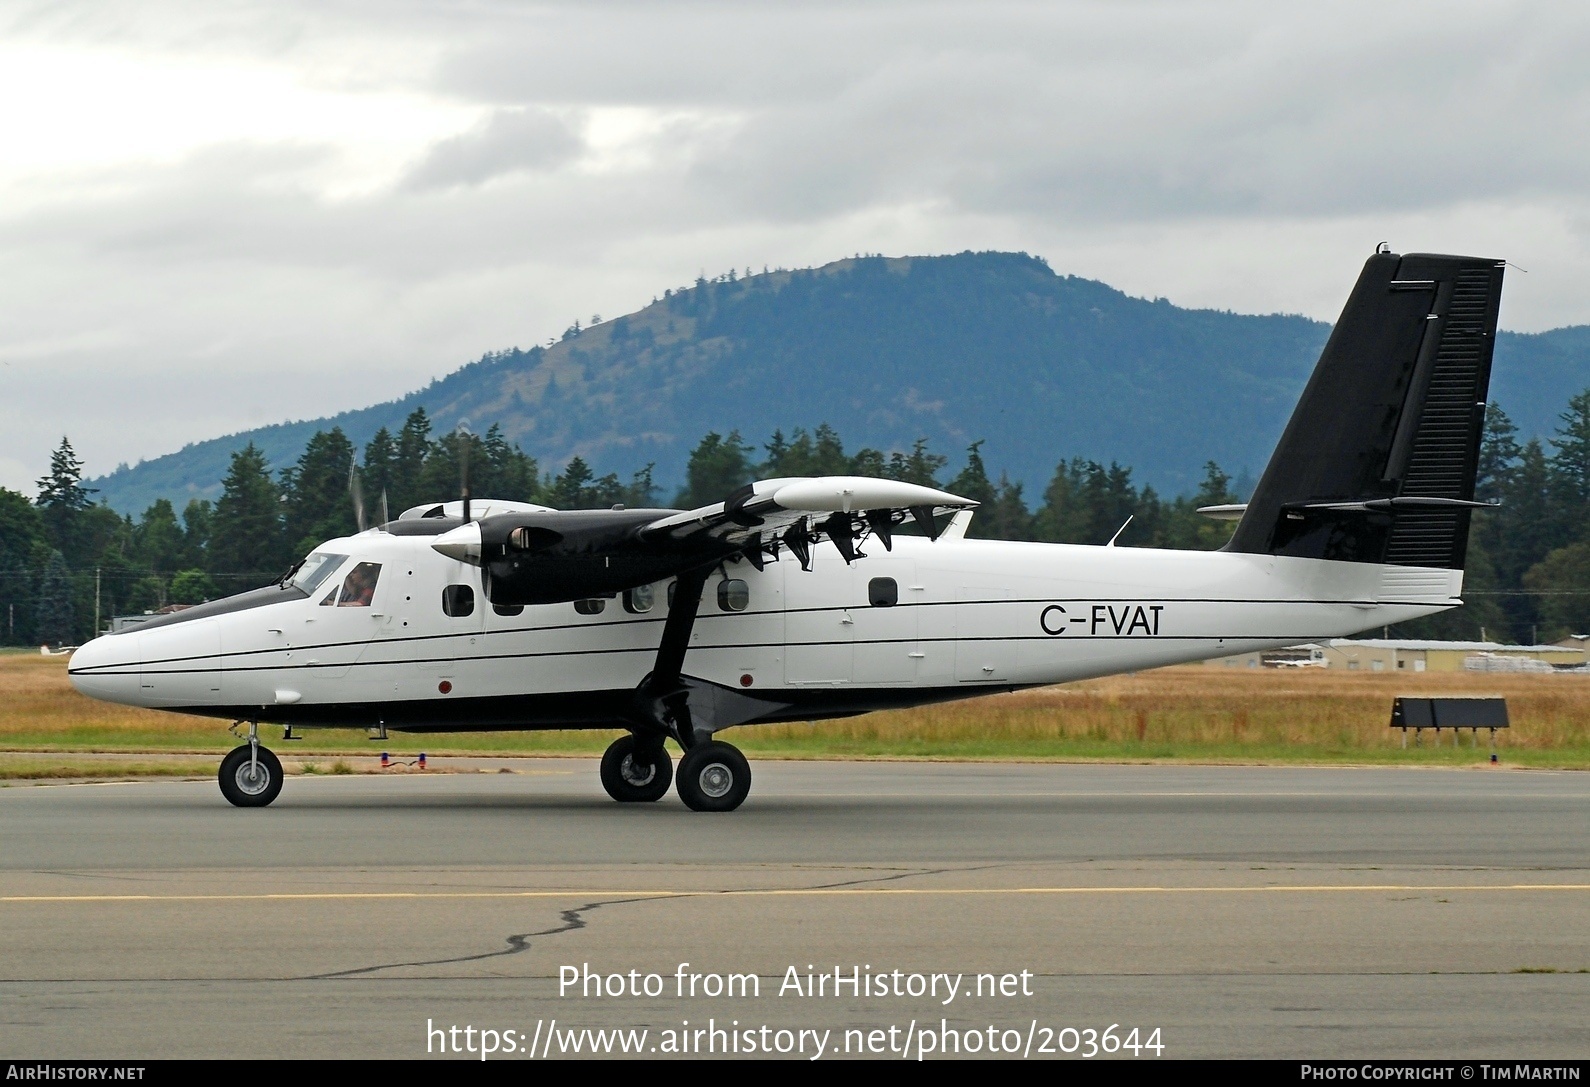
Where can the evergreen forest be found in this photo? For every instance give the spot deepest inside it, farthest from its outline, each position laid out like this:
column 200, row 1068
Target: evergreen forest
column 67, row 561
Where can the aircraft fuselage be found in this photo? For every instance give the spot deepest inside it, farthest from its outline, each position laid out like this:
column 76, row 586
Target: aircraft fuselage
column 929, row 621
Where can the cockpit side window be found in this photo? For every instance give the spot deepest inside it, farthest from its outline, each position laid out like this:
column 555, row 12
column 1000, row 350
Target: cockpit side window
column 358, row 588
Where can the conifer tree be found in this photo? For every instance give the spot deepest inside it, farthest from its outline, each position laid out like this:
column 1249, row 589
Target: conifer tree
column 919, row 466
column 505, row 471
column 408, row 465
column 316, row 500
column 62, row 495
column 718, row 466
column 160, row 544
column 247, row 541
column 52, row 608
column 379, row 474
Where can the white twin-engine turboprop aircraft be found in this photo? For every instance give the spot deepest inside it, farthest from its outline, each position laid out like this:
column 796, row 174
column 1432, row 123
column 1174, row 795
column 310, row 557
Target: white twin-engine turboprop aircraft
column 764, row 607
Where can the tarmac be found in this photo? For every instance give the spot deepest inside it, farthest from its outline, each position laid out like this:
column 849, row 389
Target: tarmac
column 1215, row 911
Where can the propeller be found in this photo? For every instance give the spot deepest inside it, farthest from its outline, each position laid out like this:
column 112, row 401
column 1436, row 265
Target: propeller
column 356, row 492
column 461, row 438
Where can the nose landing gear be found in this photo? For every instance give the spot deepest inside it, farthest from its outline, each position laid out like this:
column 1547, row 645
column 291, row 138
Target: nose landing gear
column 250, row 775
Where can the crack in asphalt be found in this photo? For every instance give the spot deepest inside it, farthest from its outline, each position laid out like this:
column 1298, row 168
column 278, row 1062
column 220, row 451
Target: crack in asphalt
column 574, row 920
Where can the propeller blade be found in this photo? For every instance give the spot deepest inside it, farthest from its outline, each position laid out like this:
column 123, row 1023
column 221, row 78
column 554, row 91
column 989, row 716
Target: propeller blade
column 461, row 437
column 357, row 493
column 923, row 515
column 385, row 516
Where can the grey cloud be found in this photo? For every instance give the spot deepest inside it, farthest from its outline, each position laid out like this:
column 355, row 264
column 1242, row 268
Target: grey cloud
column 509, row 141
column 1156, row 146
column 1329, row 125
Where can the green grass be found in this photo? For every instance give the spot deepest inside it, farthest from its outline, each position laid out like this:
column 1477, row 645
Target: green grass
column 1187, row 714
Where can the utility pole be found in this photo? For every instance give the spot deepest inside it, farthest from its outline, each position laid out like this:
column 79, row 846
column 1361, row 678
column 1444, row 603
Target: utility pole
column 96, row 601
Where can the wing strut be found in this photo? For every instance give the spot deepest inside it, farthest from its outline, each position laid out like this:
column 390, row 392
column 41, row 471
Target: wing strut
column 662, row 701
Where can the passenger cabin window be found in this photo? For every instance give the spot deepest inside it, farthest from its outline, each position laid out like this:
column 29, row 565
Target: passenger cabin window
column 733, row 595
column 882, row 592
column 358, row 588
column 639, row 600
column 458, row 601
column 593, row 606
column 508, row 609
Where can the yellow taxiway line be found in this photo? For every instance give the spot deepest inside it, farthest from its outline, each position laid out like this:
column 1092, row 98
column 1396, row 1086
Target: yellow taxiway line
column 804, row 892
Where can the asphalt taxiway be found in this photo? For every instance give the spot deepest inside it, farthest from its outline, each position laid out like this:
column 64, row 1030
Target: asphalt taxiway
column 1242, row 911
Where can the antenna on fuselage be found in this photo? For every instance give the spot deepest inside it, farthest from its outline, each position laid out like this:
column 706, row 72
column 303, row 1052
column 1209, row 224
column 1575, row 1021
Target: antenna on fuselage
column 1120, row 530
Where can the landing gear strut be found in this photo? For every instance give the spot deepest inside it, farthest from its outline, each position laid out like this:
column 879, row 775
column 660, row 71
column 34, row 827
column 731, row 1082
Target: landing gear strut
column 713, row 776
column 250, row 776
column 632, row 772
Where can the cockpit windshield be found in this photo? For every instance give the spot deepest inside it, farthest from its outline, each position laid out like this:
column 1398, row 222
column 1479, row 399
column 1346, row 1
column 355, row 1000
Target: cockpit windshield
column 315, row 569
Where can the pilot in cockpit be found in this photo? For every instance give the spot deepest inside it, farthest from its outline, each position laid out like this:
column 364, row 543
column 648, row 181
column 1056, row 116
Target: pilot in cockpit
column 359, row 586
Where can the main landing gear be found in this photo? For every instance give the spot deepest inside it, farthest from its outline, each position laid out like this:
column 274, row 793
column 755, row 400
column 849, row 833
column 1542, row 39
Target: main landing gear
column 632, row 772
column 712, row 776
column 250, row 776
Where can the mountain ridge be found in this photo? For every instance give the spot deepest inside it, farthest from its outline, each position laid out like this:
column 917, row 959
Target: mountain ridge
column 954, row 349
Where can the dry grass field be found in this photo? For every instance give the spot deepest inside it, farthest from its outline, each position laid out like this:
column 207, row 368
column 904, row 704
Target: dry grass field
column 1196, row 713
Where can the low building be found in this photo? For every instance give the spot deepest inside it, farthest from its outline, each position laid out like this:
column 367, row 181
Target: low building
column 1576, row 642
column 1411, row 655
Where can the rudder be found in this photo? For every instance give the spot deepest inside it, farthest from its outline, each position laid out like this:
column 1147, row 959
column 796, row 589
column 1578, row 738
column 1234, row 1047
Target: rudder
column 1378, row 461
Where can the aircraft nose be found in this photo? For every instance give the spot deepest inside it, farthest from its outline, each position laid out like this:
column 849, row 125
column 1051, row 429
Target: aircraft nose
column 107, row 668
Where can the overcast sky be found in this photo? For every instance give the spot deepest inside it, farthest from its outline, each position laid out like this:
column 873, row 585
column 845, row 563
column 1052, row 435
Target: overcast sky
column 217, row 215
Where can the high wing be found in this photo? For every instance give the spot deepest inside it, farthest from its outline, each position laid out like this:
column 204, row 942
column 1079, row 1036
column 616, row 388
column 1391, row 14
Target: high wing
column 544, row 557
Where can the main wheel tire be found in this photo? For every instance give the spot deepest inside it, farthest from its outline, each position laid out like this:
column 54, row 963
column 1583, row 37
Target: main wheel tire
column 250, row 786
column 714, row 776
column 629, row 780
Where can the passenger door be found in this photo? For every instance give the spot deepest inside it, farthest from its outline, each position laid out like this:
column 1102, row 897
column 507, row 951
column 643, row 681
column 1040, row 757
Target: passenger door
column 885, row 631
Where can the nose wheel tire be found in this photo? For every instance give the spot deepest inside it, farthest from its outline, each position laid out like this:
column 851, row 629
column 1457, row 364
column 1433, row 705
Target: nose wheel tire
column 630, row 778
column 714, row 776
column 250, row 783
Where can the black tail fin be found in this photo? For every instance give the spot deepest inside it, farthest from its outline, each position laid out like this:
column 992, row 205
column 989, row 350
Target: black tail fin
column 1378, row 461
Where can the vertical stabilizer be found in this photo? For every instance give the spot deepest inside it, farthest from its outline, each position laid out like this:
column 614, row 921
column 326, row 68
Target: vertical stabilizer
column 1377, row 463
